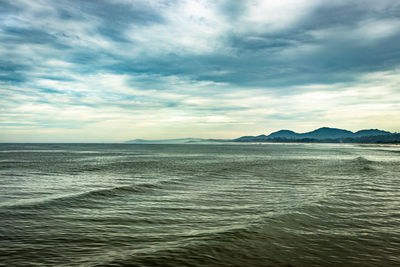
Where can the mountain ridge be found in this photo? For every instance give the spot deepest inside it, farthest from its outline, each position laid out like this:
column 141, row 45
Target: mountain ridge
column 318, row 134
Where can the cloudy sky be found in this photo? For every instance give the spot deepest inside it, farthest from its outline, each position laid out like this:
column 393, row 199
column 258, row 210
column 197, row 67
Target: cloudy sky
column 114, row 70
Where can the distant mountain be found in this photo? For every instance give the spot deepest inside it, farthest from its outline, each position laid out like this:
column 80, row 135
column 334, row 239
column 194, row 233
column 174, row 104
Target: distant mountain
column 249, row 138
column 175, row 141
column 166, row 141
column 283, row 134
column 370, row 132
column 321, row 134
column 326, row 133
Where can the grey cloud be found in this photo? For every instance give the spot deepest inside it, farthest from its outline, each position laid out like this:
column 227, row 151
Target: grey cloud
column 68, row 41
column 112, row 17
column 257, row 59
column 254, row 59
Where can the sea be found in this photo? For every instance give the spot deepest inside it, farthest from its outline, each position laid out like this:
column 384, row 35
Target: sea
column 199, row 205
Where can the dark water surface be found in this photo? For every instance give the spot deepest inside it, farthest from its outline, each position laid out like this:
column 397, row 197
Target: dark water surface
column 199, row 205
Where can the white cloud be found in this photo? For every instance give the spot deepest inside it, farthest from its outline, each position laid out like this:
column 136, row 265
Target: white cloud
column 191, row 27
column 272, row 16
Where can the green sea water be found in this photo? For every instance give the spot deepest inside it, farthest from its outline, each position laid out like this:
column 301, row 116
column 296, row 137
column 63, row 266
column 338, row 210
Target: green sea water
column 199, row 205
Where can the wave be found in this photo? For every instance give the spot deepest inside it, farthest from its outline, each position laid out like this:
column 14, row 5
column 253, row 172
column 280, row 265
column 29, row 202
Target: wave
column 361, row 159
column 71, row 199
column 273, row 240
column 362, row 164
column 229, row 245
column 121, row 190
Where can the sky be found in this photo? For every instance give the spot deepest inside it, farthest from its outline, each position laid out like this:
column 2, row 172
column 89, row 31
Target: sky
column 115, row 70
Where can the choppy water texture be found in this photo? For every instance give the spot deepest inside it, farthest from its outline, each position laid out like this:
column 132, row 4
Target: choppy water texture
column 199, row 205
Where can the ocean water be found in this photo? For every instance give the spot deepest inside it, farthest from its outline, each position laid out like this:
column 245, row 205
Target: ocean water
column 199, row 205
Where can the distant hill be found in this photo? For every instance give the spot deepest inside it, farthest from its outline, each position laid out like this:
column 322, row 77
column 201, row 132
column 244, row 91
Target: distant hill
column 166, row 141
column 321, row 135
column 370, row 132
column 283, row 134
column 324, row 134
column 175, row 141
